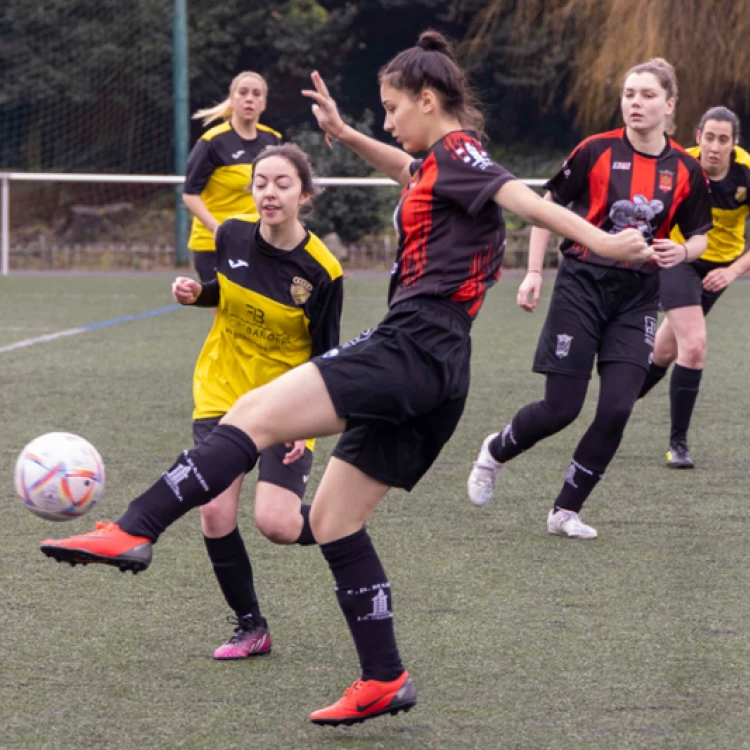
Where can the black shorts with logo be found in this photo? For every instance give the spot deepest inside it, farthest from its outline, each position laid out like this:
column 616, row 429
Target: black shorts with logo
column 682, row 285
column 271, row 467
column 205, row 264
column 401, row 389
column 595, row 312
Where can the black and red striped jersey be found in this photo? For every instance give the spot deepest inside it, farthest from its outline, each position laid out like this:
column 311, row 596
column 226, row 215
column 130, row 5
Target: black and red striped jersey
column 613, row 186
column 451, row 232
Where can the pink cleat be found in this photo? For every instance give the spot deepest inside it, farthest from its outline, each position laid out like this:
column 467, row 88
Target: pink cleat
column 251, row 638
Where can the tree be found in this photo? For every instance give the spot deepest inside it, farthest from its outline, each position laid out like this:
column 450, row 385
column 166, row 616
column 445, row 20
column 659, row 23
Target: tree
column 350, row 212
column 601, row 39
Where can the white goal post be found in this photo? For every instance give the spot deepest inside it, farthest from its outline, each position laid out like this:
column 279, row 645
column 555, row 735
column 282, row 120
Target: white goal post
column 142, row 179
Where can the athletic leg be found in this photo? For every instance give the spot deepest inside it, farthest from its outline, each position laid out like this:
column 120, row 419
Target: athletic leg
column 689, row 325
column 620, row 385
column 344, row 502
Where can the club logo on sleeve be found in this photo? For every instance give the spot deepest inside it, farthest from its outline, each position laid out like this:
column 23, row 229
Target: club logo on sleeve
column 470, row 154
column 300, row 290
column 563, row 345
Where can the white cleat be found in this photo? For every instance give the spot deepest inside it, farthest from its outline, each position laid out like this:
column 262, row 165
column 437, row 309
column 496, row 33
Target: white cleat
column 568, row 523
column 484, row 474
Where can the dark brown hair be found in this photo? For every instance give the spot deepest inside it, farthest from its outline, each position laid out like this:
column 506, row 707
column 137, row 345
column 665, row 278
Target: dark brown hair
column 431, row 64
column 297, row 158
column 722, row 114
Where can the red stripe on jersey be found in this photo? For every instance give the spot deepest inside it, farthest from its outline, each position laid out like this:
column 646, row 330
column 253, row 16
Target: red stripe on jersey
column 681, row 193
column 473, row 289
column 643, row 178
column 599, row 188
column 416, row 222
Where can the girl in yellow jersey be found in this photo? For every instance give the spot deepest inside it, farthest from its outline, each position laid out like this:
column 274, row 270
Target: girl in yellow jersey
column 219, row 167
column 279, row 292
column 690, row 290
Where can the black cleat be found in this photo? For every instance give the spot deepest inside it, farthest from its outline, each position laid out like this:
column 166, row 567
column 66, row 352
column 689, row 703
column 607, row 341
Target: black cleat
column 678, row 456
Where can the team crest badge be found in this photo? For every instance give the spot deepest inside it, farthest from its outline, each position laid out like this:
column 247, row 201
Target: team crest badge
column 300, row 290
column 563, row 345
column 665, row 181
column 740, row 194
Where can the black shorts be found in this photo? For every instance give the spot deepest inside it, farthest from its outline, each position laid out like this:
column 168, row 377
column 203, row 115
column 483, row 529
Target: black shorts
column 401, row 389
column 682, row 285
column 271, row 468
column 205, row 264
column 607, row 313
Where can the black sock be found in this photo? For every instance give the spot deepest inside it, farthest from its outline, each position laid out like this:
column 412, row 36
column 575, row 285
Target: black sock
column 234, row 572
column 683, row 393
column 198, row 476
column 364, row 595
column 579, row 484
column 563, row 398
column 305, row 538
column 654, row 375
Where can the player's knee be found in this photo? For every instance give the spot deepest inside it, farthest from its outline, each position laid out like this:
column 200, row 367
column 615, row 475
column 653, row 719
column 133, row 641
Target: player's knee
column 217, row 519
column 279, row 525
column 562, row 413
column 614, row 417
column 693, row 352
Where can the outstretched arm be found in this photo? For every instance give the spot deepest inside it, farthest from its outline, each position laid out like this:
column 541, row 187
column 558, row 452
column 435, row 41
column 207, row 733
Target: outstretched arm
column 389, row 160
column 628, row 245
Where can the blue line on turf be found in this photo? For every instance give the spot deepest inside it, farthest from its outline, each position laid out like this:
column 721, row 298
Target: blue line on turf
column 84, row 329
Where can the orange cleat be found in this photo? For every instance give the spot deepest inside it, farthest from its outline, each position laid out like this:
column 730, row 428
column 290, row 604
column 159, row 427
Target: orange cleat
column 366, row 699
column 109, row 545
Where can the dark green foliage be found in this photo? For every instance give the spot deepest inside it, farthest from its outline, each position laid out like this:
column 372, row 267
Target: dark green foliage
column 350, row 212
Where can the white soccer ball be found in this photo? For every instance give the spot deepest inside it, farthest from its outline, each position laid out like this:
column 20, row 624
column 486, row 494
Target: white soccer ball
column 59, row 476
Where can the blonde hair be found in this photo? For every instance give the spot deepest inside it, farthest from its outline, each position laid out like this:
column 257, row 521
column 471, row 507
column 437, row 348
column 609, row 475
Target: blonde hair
column 223, row 110
column 664, row 73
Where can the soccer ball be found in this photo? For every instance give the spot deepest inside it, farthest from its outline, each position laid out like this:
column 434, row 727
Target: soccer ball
column 59, row 476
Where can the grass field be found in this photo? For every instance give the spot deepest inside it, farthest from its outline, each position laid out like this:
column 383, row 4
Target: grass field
column 515, row 639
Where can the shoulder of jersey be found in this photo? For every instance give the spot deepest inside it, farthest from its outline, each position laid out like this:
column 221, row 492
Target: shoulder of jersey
column 600, row 138
column 324, row 257
column 693, row 151
column 741, row 156
column 220, row 129
column 271, row 131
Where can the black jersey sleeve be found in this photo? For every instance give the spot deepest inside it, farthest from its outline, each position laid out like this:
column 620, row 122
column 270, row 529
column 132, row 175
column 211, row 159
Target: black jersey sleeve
column 694, row 213
column 468, row 176
column 572, row 179
column 210, row 294
column 325, row 323
column 200, row 167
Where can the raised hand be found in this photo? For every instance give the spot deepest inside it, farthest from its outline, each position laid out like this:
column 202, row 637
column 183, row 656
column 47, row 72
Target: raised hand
column 324, row 108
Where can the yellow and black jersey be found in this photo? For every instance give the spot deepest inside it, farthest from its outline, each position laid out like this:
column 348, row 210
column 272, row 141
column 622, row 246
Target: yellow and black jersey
column 730, row 205
column 219, row 169
column 276, row 310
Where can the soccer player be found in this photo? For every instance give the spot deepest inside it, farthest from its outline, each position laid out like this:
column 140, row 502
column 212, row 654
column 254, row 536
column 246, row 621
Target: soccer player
column 636, row 176
column 395, row 392
column 279, row 295
column 690, row 290
column 219, row 167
